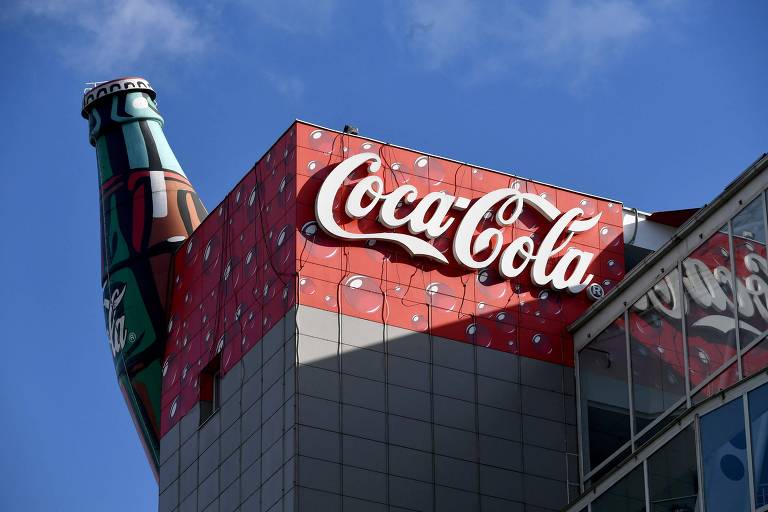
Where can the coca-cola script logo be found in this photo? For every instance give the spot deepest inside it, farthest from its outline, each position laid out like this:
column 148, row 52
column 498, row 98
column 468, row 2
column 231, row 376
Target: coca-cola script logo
column 116, row 331
column 430, row 218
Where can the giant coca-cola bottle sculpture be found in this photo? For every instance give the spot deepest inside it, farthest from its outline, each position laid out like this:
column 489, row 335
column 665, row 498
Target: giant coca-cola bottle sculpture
column 147, row 208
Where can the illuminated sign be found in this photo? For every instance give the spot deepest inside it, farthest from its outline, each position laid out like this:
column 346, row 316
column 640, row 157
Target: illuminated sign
column 430, row 219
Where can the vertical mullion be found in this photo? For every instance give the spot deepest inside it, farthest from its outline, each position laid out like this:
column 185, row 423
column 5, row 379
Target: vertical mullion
column 699, row 461
column 765, row 219
column 746, row 410
column 735, row 297
column 630, row 388
column 681, row 291
column 747, row 425
column 647, row 485
column 764, row 201
column 579, row 424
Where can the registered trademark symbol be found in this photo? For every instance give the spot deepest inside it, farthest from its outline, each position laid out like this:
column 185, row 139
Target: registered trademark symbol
column 595, row 291
column 131, row 337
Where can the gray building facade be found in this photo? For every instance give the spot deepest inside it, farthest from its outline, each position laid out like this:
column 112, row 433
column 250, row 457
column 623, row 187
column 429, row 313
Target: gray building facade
column 333, row 412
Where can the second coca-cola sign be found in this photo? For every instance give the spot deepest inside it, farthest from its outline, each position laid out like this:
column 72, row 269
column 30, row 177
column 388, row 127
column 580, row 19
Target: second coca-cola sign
column 429, row 218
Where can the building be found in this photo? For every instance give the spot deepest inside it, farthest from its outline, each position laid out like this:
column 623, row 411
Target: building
column 671, row 369
column 359, row 326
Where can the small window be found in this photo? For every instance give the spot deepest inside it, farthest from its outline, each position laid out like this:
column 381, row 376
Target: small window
column 210, row 386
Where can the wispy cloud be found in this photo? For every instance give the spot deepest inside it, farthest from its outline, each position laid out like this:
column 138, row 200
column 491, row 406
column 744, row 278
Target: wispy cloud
column 296, row 16
column 441, row 31
column 568, row 41
column 106, row 33
column 112, row 36
column 573, row 38
column 290, row 87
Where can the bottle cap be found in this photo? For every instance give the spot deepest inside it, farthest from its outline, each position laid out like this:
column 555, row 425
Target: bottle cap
column 104, row 89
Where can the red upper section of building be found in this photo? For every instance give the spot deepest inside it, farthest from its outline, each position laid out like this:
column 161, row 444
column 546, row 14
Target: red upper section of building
column 261, row 251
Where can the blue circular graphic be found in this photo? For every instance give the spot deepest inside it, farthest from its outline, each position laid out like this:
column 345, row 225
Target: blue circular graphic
column 732, row 467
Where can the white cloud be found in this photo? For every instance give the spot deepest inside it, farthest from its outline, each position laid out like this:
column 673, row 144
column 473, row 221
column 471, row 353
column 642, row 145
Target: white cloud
column 442, row 30
column 120, row 33
column 585, row 33
column 571, row 37
column 288, row 86
column 111, row 37
column 296, row 16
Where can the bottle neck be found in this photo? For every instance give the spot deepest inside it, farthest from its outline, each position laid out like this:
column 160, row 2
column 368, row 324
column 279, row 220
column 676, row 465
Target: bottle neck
column 127, row 131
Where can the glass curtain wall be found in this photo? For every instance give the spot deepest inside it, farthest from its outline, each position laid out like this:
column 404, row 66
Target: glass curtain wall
column 673, row 480
column 751, row 269
column 724, row 458
column 727, row 443
column 604, row 395
column 628, row 495
column 697, row 331
column 749, row 247
column 657, row 352
column 710, row 315
column 758, row 424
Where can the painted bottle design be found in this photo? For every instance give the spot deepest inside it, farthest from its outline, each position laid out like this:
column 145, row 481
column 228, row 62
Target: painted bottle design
column 148, row 208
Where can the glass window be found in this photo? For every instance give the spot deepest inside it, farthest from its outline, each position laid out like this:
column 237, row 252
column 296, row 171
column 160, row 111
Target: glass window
column 658, row 427
column 756, row 360
column 751, row 270
column 724, row 459
column 725, row 379
column 599, row 474
column 758, row 421
column 604, row 394
column 656, row 344
column 709, row 313
column 673, row 482
column 626, row 495
column 210, row 384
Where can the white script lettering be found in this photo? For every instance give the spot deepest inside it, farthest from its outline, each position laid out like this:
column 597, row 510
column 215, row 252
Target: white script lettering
column 116, row 332
column 429, row 218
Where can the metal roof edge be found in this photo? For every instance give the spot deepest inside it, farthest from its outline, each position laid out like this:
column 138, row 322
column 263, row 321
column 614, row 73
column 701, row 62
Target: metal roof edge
column 638, row 210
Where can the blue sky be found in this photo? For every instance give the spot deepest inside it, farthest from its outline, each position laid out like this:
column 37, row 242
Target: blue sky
column 658, row 104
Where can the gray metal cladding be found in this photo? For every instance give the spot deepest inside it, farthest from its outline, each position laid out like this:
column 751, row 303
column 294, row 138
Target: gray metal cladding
column 349, row 413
